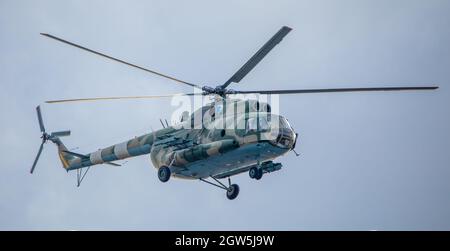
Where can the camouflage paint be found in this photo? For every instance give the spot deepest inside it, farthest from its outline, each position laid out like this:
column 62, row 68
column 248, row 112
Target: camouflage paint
column 179, row 147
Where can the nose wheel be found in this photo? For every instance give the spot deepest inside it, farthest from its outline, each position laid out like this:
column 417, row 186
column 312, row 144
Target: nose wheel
column 232, row 189
column 232, row 192
column 164, row 174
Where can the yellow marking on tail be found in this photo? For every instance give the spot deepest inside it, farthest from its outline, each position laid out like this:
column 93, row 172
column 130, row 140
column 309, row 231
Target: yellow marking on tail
column 63, row 160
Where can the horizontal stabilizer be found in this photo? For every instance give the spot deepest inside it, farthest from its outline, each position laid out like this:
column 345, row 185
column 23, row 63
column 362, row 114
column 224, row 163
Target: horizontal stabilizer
column 112, row 164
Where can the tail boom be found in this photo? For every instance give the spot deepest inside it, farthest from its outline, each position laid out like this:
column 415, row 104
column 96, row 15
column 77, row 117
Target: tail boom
column 134, row 147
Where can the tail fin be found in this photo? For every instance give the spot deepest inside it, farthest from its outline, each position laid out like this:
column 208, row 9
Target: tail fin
column 71, row 160
column 66, row 159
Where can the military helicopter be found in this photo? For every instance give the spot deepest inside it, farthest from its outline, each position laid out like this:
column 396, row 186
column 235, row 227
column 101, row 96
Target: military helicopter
column 191, row 149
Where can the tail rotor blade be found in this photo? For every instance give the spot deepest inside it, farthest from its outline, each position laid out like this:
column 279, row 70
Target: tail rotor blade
column 37, row 157
column 60, row 134
column 41, row 123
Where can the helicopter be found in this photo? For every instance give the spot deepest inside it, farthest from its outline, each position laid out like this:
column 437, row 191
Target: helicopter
column 197, row 148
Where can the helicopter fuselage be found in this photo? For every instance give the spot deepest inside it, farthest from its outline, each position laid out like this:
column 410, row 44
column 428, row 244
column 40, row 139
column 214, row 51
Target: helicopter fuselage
column 225, row 144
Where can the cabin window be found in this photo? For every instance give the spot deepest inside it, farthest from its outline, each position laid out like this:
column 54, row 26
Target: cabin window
column 263, row 124
column 252, row 125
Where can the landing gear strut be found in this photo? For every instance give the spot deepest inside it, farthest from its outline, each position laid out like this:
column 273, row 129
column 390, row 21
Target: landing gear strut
column 232, row 189
column 81, row 175
column 164, row 174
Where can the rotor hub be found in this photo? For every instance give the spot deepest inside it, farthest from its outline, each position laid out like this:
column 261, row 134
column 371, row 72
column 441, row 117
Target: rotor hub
column 218, row 90
column 45, row 137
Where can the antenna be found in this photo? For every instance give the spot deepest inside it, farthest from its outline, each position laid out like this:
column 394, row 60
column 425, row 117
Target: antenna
column 162, row 123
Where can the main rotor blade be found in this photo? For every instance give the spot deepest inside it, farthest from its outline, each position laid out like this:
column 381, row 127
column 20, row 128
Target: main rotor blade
column 259, row 55
column 39, row 115
column 119, row 60
column 409, row 88
column 114, row 98
column 37, row 157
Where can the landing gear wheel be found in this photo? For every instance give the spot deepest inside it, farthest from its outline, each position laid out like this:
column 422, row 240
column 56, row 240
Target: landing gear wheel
column 232, row 191
column 253, row 172
column 259, row 173
column 164, row 174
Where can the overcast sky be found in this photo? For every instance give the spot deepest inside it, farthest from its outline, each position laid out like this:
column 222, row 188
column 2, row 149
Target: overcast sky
column 368, row 160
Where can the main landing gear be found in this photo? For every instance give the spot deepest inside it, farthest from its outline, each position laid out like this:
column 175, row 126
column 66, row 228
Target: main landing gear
column 255, row 173
column 232, row 189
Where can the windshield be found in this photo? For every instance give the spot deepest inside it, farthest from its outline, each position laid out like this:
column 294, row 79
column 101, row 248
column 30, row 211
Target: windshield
column 284, row 137
column 284, row 123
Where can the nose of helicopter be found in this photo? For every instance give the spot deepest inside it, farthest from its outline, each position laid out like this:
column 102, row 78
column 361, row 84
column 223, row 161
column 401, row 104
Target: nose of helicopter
column 286, row 138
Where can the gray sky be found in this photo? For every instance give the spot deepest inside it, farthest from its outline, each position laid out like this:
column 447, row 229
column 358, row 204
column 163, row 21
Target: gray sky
column 368, row 160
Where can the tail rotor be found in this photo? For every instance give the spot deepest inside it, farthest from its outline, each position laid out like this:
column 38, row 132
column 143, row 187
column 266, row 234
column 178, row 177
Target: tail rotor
column 45, row 137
